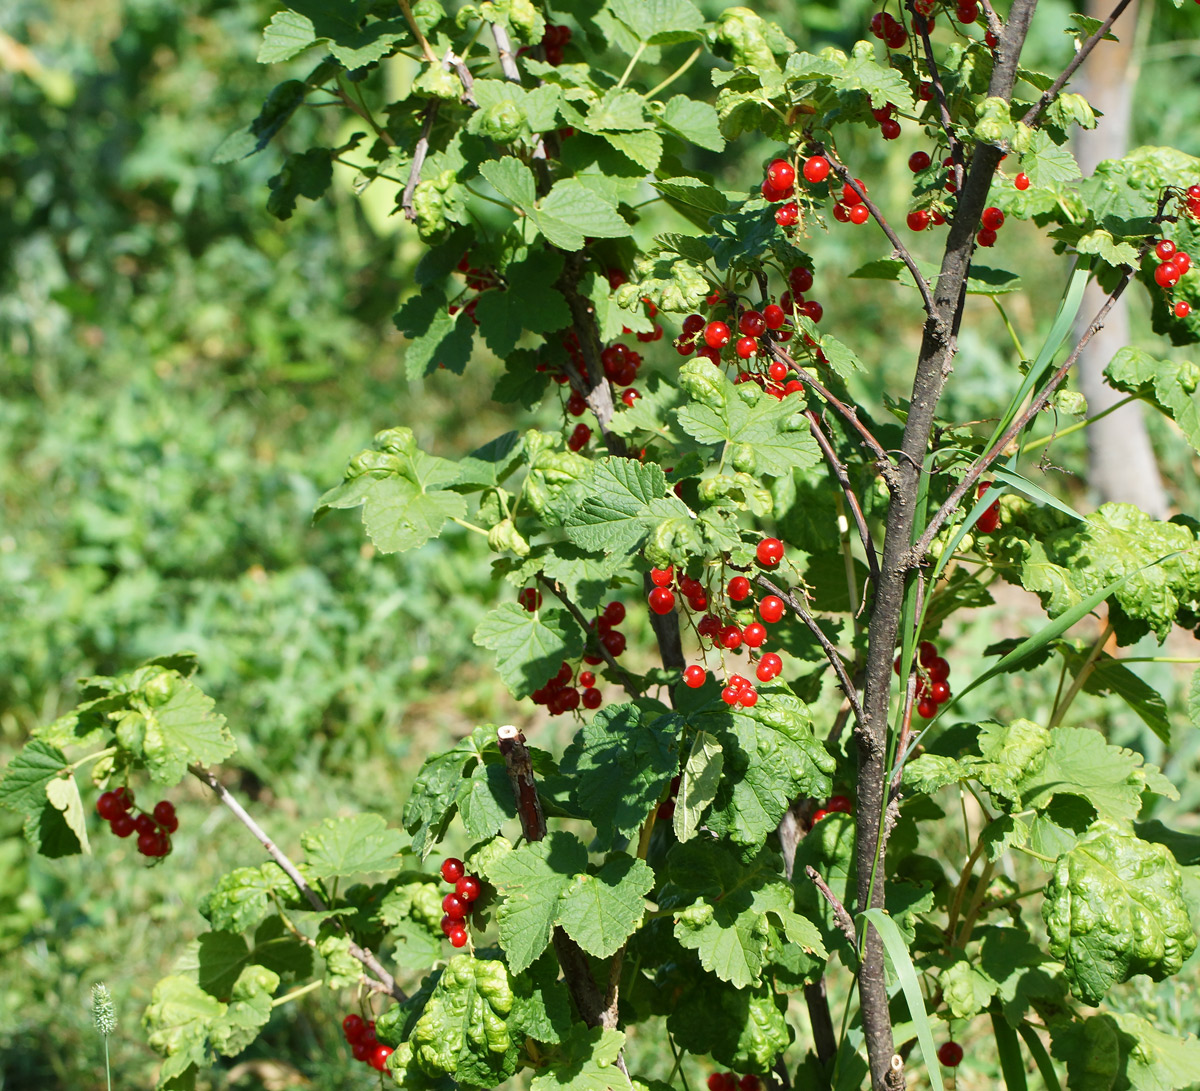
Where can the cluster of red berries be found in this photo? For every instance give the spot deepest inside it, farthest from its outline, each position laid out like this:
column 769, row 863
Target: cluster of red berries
column 933, row 673
column 457, row 904
column 154, row 828
column 989, row 521
column 950, row 1054
column 1192, row 197
column 728, row 1081
column 833, row 805
column 991, row 221
column 554, row 40
column 360, row 1037
column 565, row 692
column 478, row 281
column 731, row 637
column 849, row 207
column 1173, row 264
column 888, row 31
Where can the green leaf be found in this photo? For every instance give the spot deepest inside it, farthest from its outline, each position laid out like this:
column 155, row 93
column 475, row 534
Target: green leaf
column 304, row 174
column 463, row 1032
column 438, row 339
column 512, row 180
column 619, row 765
column 584, row 576
column 359, row 845
column 1169, row 385
column 1110, row 675
column 248, row 1012
column 240, row 899
column 862, row 72
column 183, row 731
column 601, row 911
column 1155, row 1061
column 693, row 121
column 485, row 800
column 26, row 779
column 743, row 1029
column 698, row 784
column 587, row 1061
column 617, row 110
column 571, row 211
column 625, row 500
column 287, row 34
column 1109, row 250
column 530, row 648
column 542, row 1005
column 63, row 794
column 1047, row 163
column 178, row 1020
column 529, row 302
column 1115, row 908
column 659, row 22
column 532, row 879
column 695, row 194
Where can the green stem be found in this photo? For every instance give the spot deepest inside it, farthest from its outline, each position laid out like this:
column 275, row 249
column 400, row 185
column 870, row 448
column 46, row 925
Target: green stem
column 1079, row 680
column 107, row 1067
column 1041, row 441
column 968, row 924
column 295, row 994
column 1160, row 659
column 1036, row 855
column 492, row 200
column 637, row 56
column 468, row 526
column 676, row 74
column 91, row 757
column 1009, row 326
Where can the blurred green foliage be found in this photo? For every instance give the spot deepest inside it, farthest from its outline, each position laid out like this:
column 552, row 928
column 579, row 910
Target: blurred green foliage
column 181, row 376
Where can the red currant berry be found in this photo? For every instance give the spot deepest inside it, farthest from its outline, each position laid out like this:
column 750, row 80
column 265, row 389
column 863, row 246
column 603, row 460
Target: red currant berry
column 781, row 174
column 777, row 371
column 840, row 804
column 819, row 814
column 694, row 676
column 747, row 696
column 918, row 162
column 108, row 806
column 793, row 387
column 530, row 598
column 1182, row 309
column 940, row 692
column 454, row 907
column 685, row 347
column 992, row 218
column 144, row 823
column 1164, row 249
column 918, row 220
column 147, row 842
column 579, row 437
column 967, row 13
column 1181, row 261
column 716, row 1082
column 662, row 600
column 926, row 652
column 592, row 698
column 614, row 613
column 841, row 213
column 890, row 128
column 812, row 309
column 787, row 215
column 752, row 323
column 859, row 214
column 773, row 316
column 927, row 708
column 986, row 237
column 769, row 667
column 771, row 609
column 693, row 324
column 379, row 1055
column 950, row 1054
column 754, row 634
column 939, row 670
column 467, row 888
column 662, row 577
column 1021, row 181
column 769, row 552
column 925, row 92
column 991, row 40
column 816, row 169
column 452, row 869
column 123, row 825
column 614, row 641
column 362, row 1049
column 125, row 796
column 449, row 924
column 746, row 347
column 716, row 335
column 730, row 694
column 587, row 678
column 739, row 588
column 576, row 405
column 352, row 1027
column 731, row 637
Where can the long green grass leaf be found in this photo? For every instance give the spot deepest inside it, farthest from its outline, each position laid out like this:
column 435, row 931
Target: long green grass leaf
column 1040, row 1057
column 1012, row 1064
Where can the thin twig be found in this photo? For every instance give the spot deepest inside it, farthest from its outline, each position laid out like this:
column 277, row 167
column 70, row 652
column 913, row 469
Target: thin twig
column 844, row 921
column 935, row 77
column 1081, row 55
column 426, row 48
column 848, row 412
column 627, row 683
column 420, row 151
column 831, row 653
column 902, row 251
column 843, row 479
column 508, row 63
column 383, row 981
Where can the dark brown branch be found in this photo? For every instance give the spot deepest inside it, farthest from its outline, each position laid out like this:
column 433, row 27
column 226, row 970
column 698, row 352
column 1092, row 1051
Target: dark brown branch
column 1081, row 55
column 831, row 653
column 382, row 981
column 935, row 78
column 902, row 251
column 627, row 683
column 596, row 1009
column 995, row 25
column 420, row 151
column 843, row 479
column 848, row 412
column 840, row 914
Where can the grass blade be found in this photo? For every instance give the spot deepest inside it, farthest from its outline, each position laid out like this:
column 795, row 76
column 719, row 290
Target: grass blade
column 1012, row 1064
column 1040, row 1057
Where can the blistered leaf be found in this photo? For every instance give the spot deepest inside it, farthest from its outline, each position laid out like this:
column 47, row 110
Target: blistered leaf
column 359, row 845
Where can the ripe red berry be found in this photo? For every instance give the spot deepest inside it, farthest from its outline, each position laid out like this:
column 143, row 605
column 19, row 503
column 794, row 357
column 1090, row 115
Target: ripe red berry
column 164, row 815
column 614, row 641
column 147, row 842
column 811, row 308
column 788, row 214
column 452, row 869
column 1021, row 181
column 746, row 347
column 662, row 600
column 841, row 213
column 991, row 40
column 816, row 169
column 769, row 667
column 716, row 335
column 693, row 324
column 1164, row 249
column 362, row 1049
column 851, row 195
column 771, row 609
column 730, row 694
column 694, row 676
column 579, row 437
column 467, row 888
column 918, row 220
column 986, row 237
column 747, row 696
column 859, row 214
column 716, row 1082
column 939, row 669
column 662, row 577
column 352, row 1027
column 122, row 825
column 144, row 823
column 108, row 806
column 731, row 637
column 777, row 371
column 1181, row 261
column 576, row 405
column 739, row 588
column 940, row 692
column 1182, row 309
column 773, row 316
column 890, row 128
column 818, row 815
column 992, row 218
column 781, row 174
column 754, row 634
column 530, row 598
column 614, row 613
column 926, row 652
column 840, row 804
column 918, row 161
column 449, row 924
column 379, row 1055
column 950, row 1054
column 124, row 797
column 752, row 324
column 927, row 708
column 769, row 552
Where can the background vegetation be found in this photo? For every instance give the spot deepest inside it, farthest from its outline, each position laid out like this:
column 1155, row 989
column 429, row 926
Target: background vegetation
column 180, row 378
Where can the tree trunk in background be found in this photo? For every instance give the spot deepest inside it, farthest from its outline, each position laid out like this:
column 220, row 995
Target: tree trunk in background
column 1121, row 464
